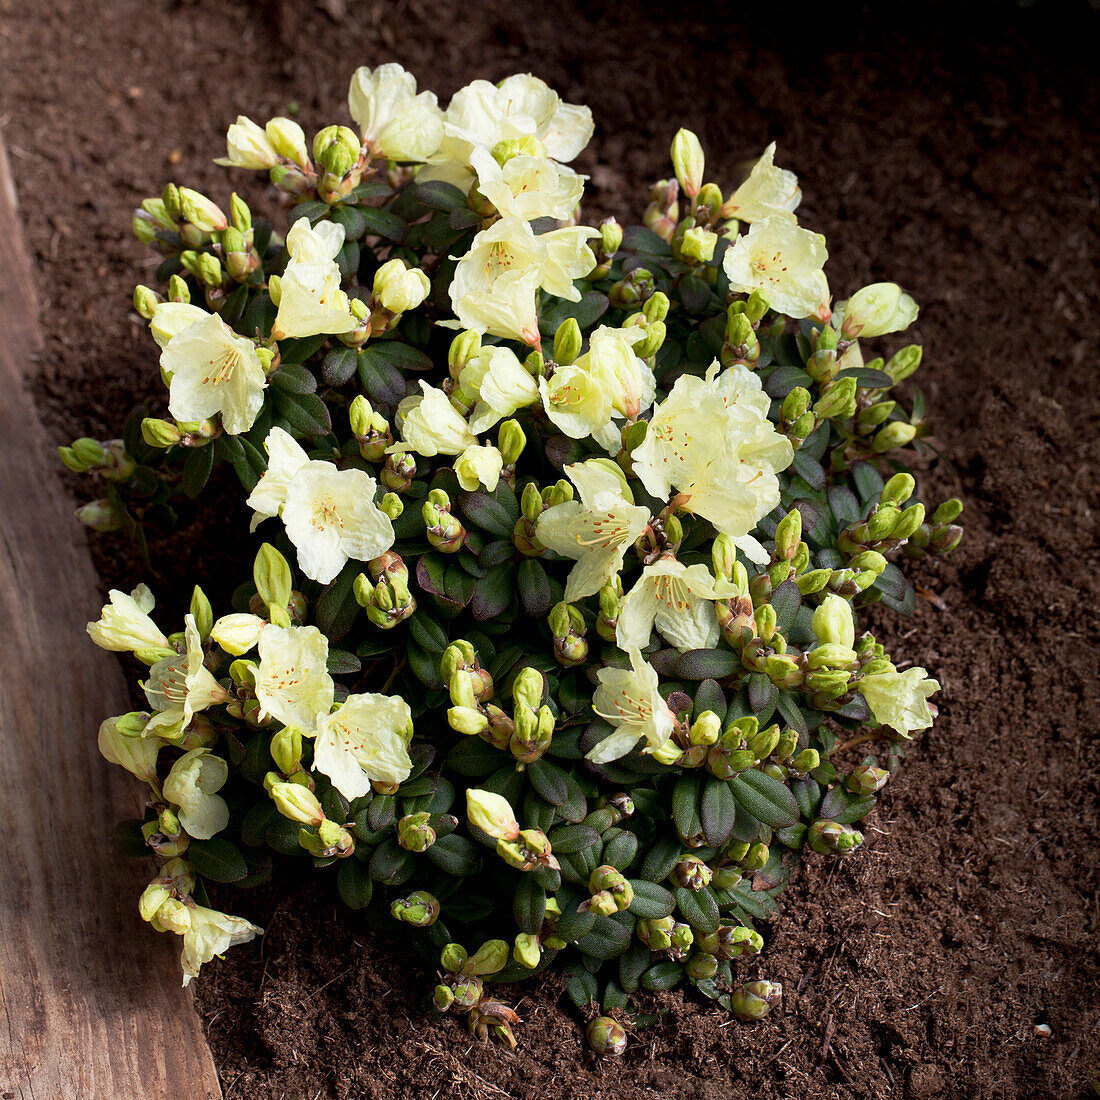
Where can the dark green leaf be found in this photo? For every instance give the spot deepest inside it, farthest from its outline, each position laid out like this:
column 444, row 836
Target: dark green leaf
column 217, row 859
column 492, row 593
column 767, row 799
column 339, row 366
column 781, row 380
column 717, row 812
column 549, row 780
column 566, row 839
column 383, row 223
column 354, row 883
column 867, row 377
column 706, row 664
column 663, row 976
column 455, row 854
column 608, row 938
column 685, row 807
column 534, row 588
column 336, row 608
column 196, row 470
column 306, row 413
column 582, row 987
column 292, row 378
column 786, row 600
column 651, row 901
column 699, row 908
column 439, row 195
column 391, row 865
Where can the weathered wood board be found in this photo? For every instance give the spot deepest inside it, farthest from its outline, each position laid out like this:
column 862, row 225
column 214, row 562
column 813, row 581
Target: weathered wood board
column 91, row 1001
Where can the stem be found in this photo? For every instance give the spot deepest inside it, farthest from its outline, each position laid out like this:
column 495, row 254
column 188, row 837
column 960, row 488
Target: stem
column 860, row 739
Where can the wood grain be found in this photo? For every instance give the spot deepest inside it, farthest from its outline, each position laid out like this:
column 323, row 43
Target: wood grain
column 90, row 1001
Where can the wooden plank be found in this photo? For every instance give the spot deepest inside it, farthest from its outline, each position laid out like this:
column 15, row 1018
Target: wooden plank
column 90, row 997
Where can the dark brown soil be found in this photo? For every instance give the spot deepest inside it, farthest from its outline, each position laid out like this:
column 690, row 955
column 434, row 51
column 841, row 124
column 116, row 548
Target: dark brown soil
column 967, row 171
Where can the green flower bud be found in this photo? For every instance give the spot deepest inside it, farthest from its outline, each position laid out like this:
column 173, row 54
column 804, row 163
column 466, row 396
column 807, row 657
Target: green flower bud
column 296, row 802
column 463, row 348
column 754, row 1000
column 100, row 515
column 611, row 236
column 489, row 958
column 796, row 403
column 467, row 720
column 453, row 958
column 606, row 1037
column 839, row 403
column 706, row 729
column 701, row 966
column 766, row 622
column 763, row 744
column 909, row 521
column 289, row 139
column 806, row 761
column 688, row 162
column 527, row 687
column 698, row 244
column 875, row 414
column 904, row 363
column 632, row 290
column 788, row 534
column 948, row 511
column 653, row 340
column 146, row 301
column 830, row 838
column 414, row 833
column 656, row 933
column 443, row 998
column 527, row 951
column 691, row 873
column 567, row 342
column 656, row 308
column 468, row 990
column 286, row 750
column 866, row 780
column 336, row 149
column 273, row 577
column 420, row 909
column 511, row 439
column 896, row 434
column 898, row 490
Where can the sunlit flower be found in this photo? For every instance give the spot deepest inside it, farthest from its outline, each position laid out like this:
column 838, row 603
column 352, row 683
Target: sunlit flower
column 211, row 933
column 180, row 686
column 292, row 680
column 528, row 187
column 124, row 624
column 900, row 699
column 395, row 122
column 364, row 740
column 630, row 701
column 783, row 262
column 769, row 192
column 597, row 530
column 192, row 785
column 311, row 301
column 876, row 310
column 248, row 146
column 491, row 813
column 431, row 425
column 479, row 466
column 500, row 383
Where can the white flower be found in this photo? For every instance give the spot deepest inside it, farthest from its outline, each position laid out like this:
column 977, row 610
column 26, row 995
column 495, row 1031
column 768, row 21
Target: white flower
column 711, row 440
column 248, row 146
column 311, row 301
column 329, row 514
column 482, row 114
column 769, row 192
column 395, row 122
column 479, row 465
column 364, row 740
column 876, row 310
column 331, row 517
column 124, row 625
column 567, row 257
column 430, row 425
column 630, row 701
column 237, row 633
column 192, row 785
column 171, row 318
column 213, row 370
column 494, row 283
column 597, row 530
column 783, row 262
column 314, row 244
column 180, row 686
column 135, row 753
column 900, row 699
column 528, row 187
column 211, row 933
column 501, row 384
column 491, row 813
column 628, row 379
column 576, row 401
column 679, row 600
column 292, row 680
column 400, row 288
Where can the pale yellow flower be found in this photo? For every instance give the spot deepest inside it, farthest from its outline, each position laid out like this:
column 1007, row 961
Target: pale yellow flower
column 783, row 262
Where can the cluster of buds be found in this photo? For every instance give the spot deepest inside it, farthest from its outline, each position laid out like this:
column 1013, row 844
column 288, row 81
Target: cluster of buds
column 523, row 849
column 461, row 989
column 110, row 459
column 371, row 429
column 610, row 892
column 567, row 626
column 420, row 909
column 398, row 473
column 666, row 934
column 651, row 319
column 940, row 536
column 387, row 601
column 831, row 838
column 610, row 241
column 533, row 502
column 319, row 835
column 740, row 344
column 633, row 290
column 889, row 523
column 445, row 532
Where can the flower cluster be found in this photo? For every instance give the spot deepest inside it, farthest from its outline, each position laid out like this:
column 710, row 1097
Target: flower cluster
column 552, row 647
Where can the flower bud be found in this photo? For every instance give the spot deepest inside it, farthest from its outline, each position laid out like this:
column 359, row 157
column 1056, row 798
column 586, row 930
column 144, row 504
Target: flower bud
column 701, row 966
column 806, row 761
column 100, row 515
column 632, row 290
column 706, row 729
column 567, row 342
column 526, row 950
column 611, row 236
column 288, row 140
column 399, row 288
column 691, row 873
column 606, row 1037
column 895, row 434
column 511, row 439
column 491, row 813
column 420, row 909
column 878, row 309
column 832, row 621
column 273, row 577
column 698, row 244
column 839, row 403
column 490, row 957
column 866, row 780
column 414, row 833
column 908, row 522
column 298, row 803
column 201, row 212
column 754, row 1000
column 830, row 838
column 248, row 146
column 903, row 363
column 336, row 149
column 688, row 162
